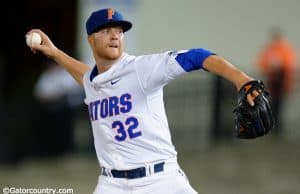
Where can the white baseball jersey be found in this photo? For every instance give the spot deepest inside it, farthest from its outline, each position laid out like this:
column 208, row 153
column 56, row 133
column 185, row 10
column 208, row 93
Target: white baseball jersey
column 126, row 107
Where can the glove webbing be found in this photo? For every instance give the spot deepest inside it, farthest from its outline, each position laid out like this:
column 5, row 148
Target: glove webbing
column 249, row 87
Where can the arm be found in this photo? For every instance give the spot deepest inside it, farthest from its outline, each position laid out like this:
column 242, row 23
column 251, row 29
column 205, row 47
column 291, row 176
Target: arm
column 225, row 69
column 76, row 68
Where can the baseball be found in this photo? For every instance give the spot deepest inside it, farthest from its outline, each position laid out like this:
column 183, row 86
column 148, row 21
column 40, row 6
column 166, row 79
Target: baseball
column 33, row 38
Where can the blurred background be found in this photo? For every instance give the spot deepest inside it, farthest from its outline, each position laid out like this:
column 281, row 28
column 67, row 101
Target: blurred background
column 45, row 134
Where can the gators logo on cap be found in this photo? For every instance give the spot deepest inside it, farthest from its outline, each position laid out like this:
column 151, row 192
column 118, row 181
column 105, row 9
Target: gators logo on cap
column 110, row 13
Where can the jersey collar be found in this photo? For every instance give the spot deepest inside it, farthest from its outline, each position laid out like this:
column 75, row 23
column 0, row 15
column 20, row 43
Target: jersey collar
column 95, row 71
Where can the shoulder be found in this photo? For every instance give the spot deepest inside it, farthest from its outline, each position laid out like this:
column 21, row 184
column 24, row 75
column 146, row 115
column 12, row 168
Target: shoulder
column 89, row 73
column 88, row 76
column 154, row 57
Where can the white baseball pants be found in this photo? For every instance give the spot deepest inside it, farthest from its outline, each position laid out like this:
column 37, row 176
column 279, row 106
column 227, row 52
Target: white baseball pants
column 172, row 180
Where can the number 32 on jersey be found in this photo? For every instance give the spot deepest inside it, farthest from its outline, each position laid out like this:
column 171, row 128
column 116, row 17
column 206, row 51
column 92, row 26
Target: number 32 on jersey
column 128, row 128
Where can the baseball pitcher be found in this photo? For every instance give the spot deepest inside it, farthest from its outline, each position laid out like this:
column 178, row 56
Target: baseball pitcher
column 124, row 95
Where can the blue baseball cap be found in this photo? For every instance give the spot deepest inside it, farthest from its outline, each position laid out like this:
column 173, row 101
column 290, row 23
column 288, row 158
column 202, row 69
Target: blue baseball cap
column 105, row 18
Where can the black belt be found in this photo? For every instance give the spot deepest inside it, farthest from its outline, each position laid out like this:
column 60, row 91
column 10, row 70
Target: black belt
column 133, row 173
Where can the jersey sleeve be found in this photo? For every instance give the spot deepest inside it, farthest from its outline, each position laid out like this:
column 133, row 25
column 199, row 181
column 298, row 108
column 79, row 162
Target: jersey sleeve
column 155, row 71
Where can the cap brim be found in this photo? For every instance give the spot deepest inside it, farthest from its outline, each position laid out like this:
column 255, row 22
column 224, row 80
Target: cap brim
column 125, row 25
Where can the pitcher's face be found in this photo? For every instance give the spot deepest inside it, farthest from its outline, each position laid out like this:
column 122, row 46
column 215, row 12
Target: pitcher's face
column 107, row 43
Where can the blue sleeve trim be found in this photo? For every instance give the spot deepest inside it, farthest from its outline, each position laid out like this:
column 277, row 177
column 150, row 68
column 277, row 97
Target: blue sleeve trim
column 193, row 59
